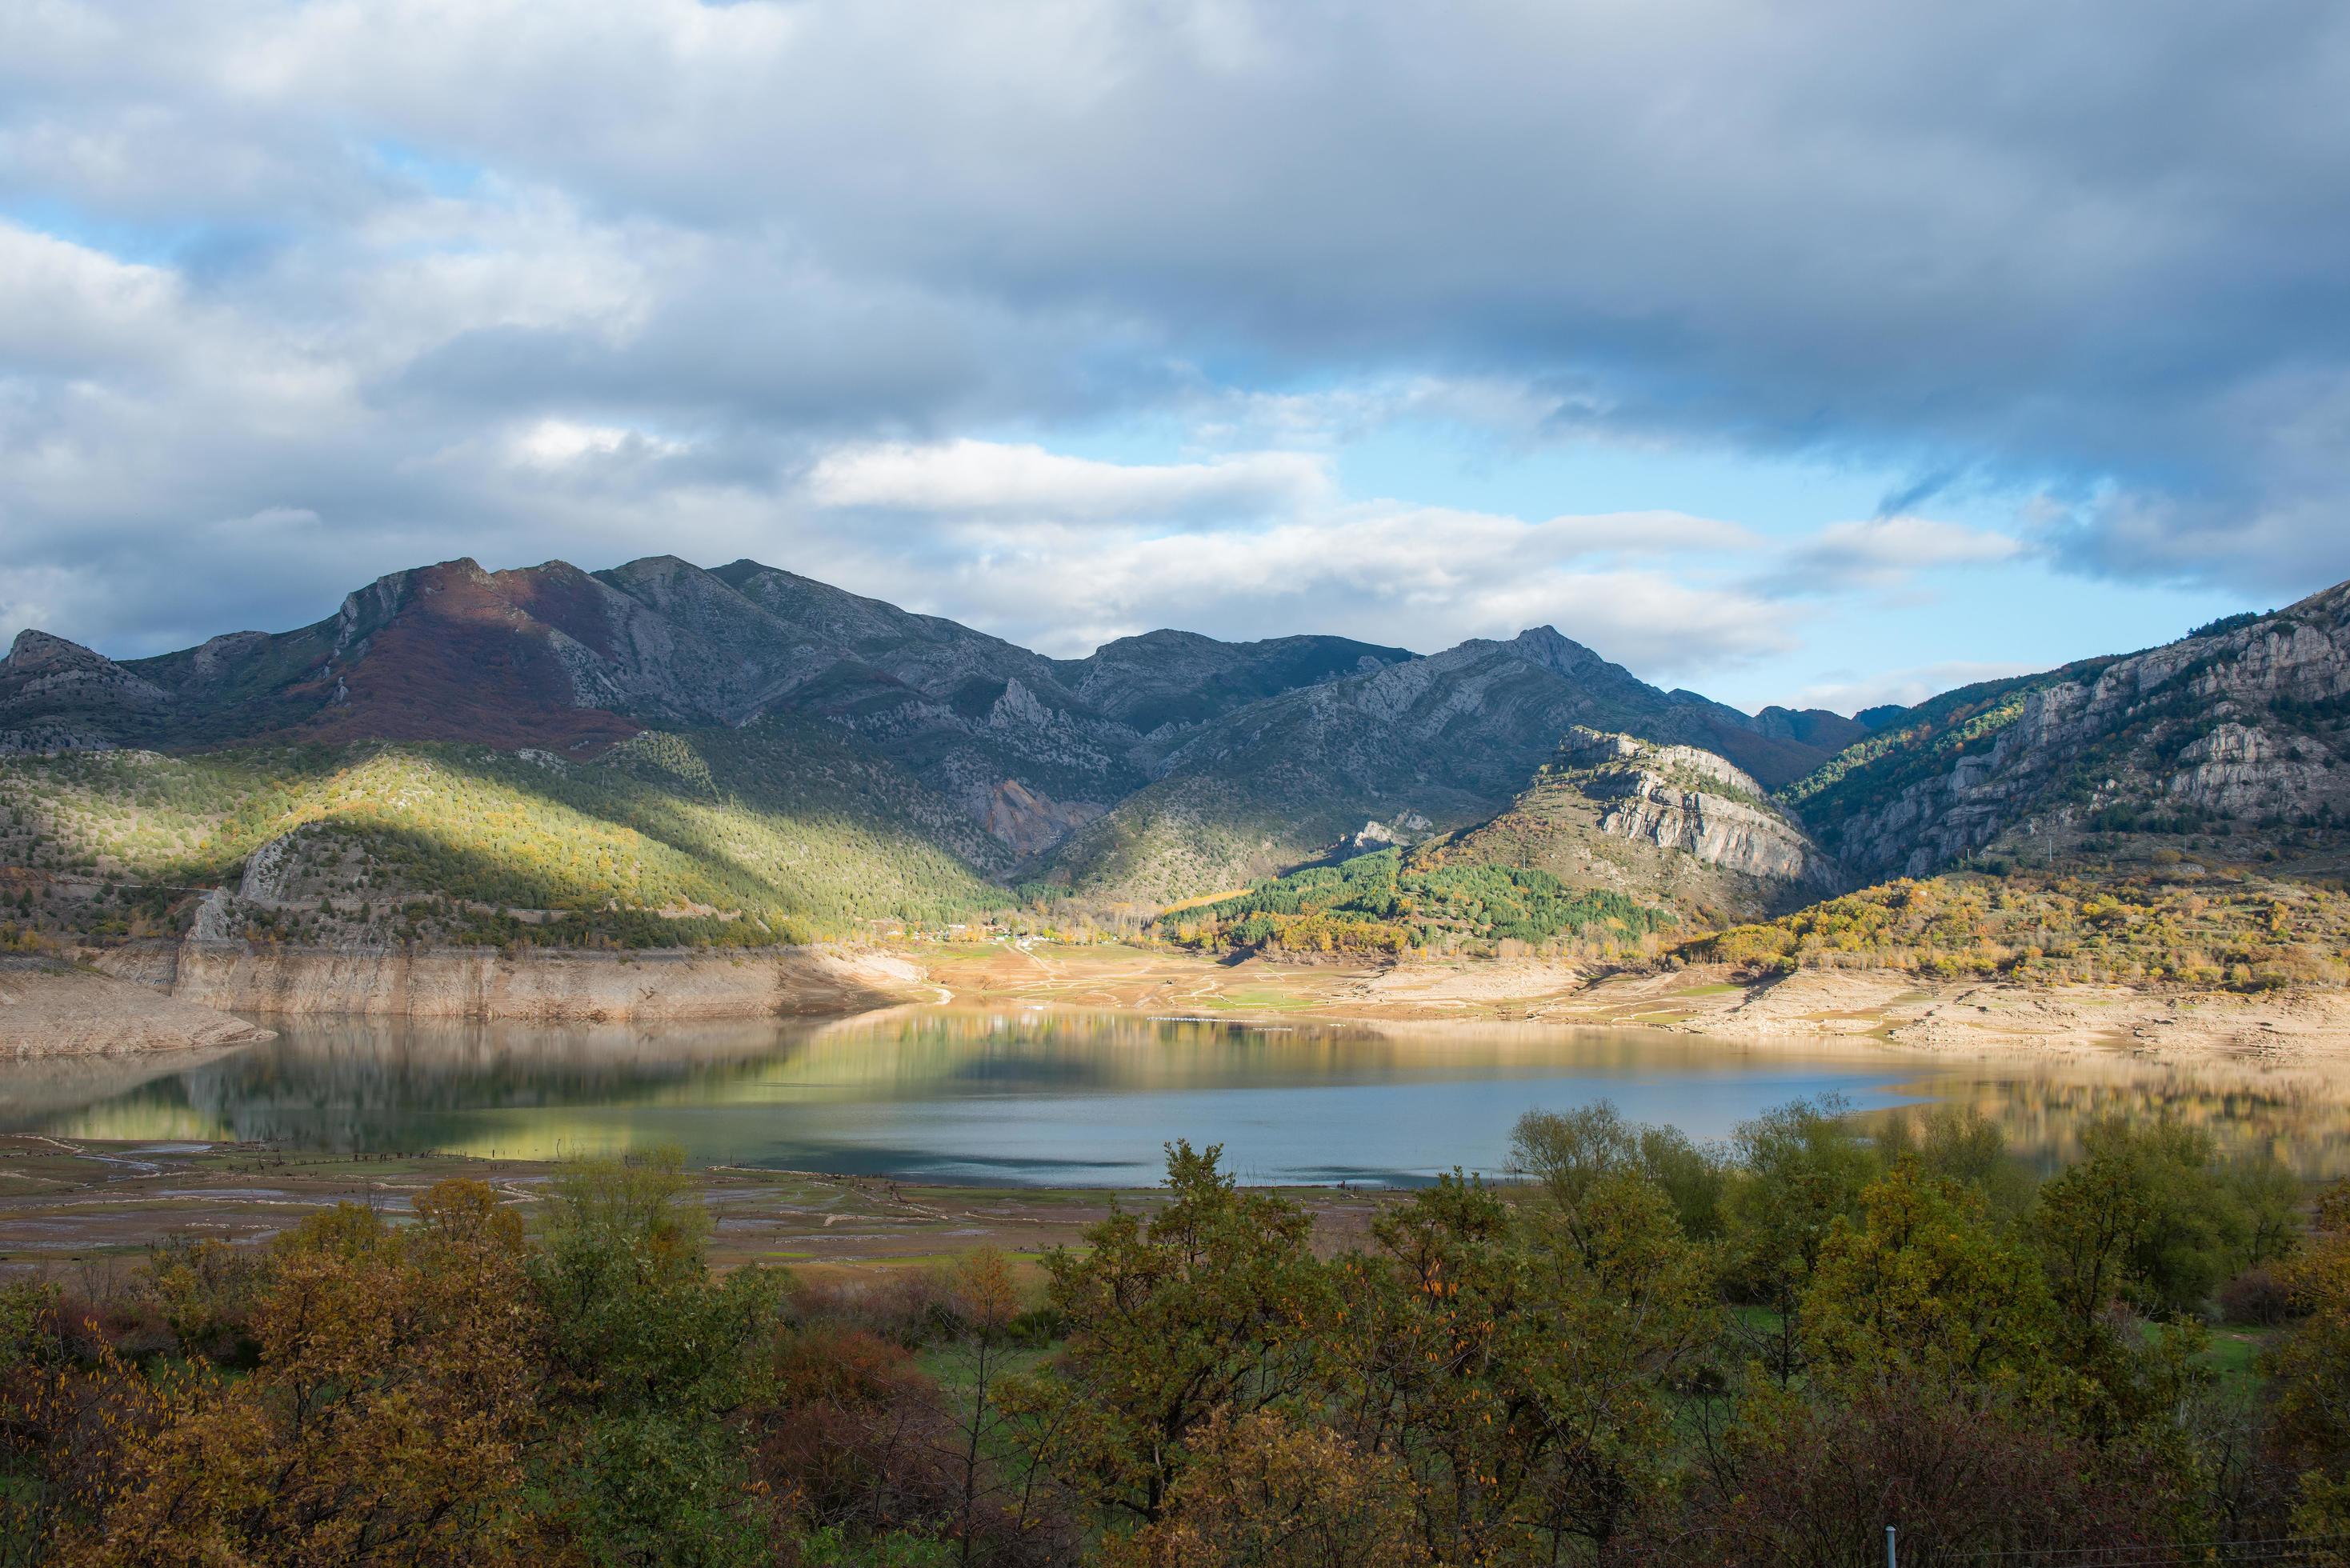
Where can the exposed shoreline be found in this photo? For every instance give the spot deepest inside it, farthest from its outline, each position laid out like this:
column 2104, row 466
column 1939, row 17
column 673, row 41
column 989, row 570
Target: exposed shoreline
column 538, row 985
column 148, row 996
column 160, row 995
column 1863, row 1008
column 50, row 1008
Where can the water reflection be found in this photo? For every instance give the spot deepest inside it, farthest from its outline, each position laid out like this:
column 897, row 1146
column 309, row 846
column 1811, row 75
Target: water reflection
column 1041, row 1096
column 2300, row 1116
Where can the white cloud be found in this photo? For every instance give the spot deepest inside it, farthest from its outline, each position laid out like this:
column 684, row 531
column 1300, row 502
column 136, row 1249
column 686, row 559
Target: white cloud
column 65, row 307
column 1907, row 688
column 557, row 443
column 519, row 280
column 1885, row 553
column 1421, row 577
column 1908, row 543
column 976, row 478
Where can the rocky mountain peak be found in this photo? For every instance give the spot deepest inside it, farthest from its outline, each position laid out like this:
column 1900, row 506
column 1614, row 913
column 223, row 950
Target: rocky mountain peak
column 1547, row 645
column 1165, row 636
column 39, row 651
column 56, row 695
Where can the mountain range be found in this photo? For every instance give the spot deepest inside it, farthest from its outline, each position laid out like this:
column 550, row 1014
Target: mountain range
column 1159, row 768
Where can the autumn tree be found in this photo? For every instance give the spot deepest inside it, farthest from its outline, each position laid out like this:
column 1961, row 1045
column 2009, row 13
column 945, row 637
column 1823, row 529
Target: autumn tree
column 1921, row 1289
column 1215, row 1303
column 1965, row 1147
column 1263, row 1491
column 993, row 1512
column 1799, row 1168
column 385, row 1424
column 1804, row 1482
column 2144, row 1218
column 2312, row 1371
column 1566, row 1151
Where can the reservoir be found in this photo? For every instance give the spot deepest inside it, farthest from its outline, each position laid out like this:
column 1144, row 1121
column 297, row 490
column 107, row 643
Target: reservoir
column 1036, row 1096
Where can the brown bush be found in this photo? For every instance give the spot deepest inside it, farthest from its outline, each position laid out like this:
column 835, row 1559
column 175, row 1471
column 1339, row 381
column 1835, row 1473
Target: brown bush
column 905, row 1306
column 2257, row 1298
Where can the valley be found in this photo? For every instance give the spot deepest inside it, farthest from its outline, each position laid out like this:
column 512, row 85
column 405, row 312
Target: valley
column 659, row 792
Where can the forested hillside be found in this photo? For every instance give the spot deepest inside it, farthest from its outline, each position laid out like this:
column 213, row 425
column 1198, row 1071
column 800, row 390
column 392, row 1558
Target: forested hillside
column 1157, row 767
column 2174, row 925
column 1452, row 738
column 770, row 834
column 1615, row 840
column 2230, row 743
column 1394, row 901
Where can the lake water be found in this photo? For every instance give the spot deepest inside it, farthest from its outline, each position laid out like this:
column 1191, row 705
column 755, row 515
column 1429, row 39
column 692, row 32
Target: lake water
column 1060, row 1098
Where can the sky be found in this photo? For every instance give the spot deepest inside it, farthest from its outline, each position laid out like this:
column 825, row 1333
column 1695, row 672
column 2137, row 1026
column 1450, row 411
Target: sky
column 1825, row 353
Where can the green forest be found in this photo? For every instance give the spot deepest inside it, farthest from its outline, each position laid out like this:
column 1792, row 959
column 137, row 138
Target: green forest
column 1636, row 1349
column 1393, row 901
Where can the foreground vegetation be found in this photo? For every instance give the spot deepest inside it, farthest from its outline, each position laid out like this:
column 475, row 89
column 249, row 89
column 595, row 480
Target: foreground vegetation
column 1648, row 1351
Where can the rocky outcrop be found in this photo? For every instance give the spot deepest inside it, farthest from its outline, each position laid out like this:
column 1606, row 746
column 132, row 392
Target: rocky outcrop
column 1720, row 832
column 1407, row 828
column 1596, row 750
column 1683, row 798
column 1030, row 822
column 2247, row 771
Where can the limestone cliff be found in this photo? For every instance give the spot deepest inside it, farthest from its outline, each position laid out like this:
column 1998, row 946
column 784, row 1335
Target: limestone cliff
column 1667, row 825
column 2237, row 734
column 540, row 986
column 1681, row 798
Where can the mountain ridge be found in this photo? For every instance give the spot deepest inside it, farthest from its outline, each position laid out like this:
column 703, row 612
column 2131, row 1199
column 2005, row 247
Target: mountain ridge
column 2238, row 723
column 1169, row 765
column 1033, row 748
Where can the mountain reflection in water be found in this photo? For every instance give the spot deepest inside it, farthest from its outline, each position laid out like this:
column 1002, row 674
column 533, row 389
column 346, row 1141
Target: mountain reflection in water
column 1042, row 1097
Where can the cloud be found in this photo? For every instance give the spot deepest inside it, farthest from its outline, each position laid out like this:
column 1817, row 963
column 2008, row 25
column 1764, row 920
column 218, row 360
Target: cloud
column 1385, row 572
column 1884, row 552
column 1906, row 687
column 975, row 478
column 558, row 444
column 853, row 281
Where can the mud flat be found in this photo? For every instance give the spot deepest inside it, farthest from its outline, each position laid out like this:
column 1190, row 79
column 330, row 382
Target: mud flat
column 68, row 1200
column 51, row 1008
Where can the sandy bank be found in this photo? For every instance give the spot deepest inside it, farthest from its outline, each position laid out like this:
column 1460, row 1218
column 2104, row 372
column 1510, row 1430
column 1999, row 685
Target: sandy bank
column 50, row 1008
